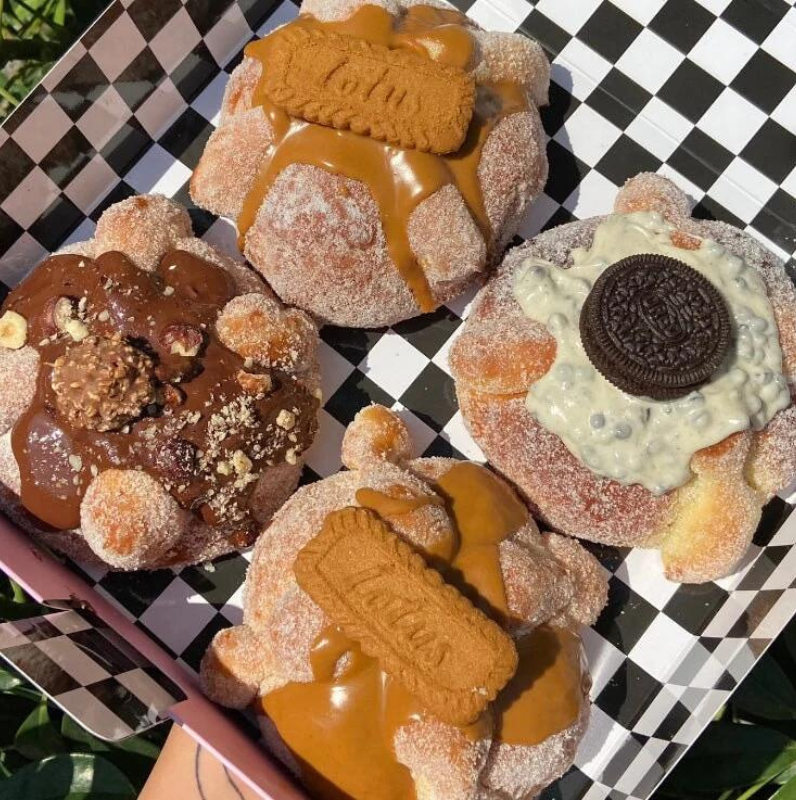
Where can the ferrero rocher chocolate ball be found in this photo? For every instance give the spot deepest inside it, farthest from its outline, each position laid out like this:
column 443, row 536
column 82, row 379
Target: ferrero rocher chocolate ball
column 101, row 384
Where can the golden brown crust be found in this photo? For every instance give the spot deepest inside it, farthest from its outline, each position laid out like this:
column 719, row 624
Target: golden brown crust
column 146, row 531
column 702, row 528
column 375, row 434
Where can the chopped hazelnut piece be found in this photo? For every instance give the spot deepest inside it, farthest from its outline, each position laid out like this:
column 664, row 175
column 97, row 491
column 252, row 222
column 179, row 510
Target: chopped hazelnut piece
column 13, row 330
column 63, row 311
column 290, row 456
column 254, row 383
column 241, row 462
column 224, row 468
column 76, row 329
column 286, row 419
column 182, row 340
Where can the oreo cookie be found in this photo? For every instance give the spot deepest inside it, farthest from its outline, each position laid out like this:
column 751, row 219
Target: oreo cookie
column 654, row 326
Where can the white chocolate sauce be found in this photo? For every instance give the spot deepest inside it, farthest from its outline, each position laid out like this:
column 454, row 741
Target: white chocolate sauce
column 636, row 439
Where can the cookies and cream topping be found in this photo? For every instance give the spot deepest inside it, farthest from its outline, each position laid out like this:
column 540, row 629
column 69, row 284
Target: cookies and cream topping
column 635, row 439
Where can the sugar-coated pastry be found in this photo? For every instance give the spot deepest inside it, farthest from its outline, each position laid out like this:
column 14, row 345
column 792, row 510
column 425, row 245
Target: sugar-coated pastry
column 377, row 155
column 155, row 397
column 633, row 376
column 408, row 633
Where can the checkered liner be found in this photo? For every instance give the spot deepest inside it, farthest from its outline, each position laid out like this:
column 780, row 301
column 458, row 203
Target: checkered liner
column 702, row 91
column 90, row 672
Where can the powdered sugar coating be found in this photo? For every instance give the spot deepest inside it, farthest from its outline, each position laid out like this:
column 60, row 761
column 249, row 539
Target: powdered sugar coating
column 129, row 519
column 701, row 538
column 376, row 434
column 586, row 574
column 445, row 764
column 772, row 462
column 226, row 172
column 281, row 622
column 256, row 326
column 512, row 172
column 18, row 371
column 318, row 237
column 232, row 668
column 447, row 242
column 514, row 772
column 508, row 57
column 144, row 228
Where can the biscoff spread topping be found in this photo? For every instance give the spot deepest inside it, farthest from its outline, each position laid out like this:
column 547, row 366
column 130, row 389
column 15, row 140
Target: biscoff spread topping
column 347, row 723
column 134, row 376
column 395, row 160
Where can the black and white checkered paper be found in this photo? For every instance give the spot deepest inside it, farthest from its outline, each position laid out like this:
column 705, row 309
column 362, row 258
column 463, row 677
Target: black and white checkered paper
column 90, row 672
column 703, row 91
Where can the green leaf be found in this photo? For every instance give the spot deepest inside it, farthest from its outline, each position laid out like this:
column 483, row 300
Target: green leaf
column 134, row 756
column 12, row 761
column 9, row 680
column 76, row 776
column 17, row 592
column 786, row 792
column 59, row 13
column 13, row 710
column 786, row 774
column 730, row 756
column 140, row 745
column 767, row 692
column 37, row 737
column 11, row 610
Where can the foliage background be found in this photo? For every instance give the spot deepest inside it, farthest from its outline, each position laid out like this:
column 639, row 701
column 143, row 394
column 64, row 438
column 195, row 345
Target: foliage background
column 749, row 750
column 34, row 34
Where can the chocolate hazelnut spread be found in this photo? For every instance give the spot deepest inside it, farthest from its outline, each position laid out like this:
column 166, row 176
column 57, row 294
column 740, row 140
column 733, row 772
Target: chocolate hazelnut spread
column 143, row 382
column 341, row 726
column 399, row 178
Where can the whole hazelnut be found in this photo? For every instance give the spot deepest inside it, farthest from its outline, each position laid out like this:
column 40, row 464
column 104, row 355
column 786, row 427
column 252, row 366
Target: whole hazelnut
column 182, row 340
column 13, row 330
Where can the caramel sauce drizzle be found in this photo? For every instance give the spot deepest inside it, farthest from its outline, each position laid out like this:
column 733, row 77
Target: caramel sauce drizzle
column 341, row 726
column 399, row 179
